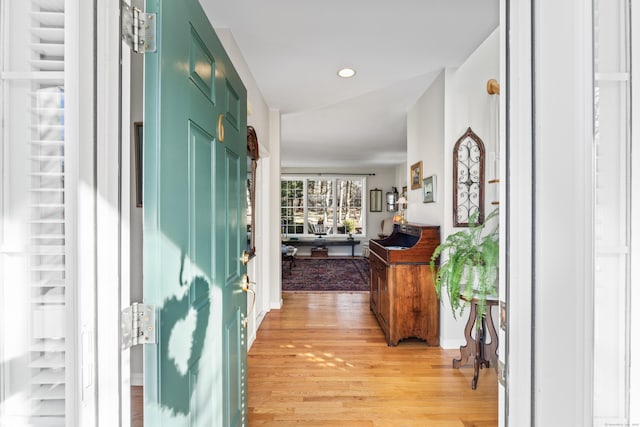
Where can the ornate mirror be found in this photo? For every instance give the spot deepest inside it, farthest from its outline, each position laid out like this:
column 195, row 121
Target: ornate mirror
column 252, row 165
column 468, row 179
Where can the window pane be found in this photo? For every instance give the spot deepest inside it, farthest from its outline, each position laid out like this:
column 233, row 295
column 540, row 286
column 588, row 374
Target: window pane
column 320, row 206
column 292, row 206
column 349, row 205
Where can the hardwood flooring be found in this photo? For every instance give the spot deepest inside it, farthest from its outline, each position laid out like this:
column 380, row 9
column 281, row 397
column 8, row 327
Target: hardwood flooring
column 322, row 361
column 137, row 400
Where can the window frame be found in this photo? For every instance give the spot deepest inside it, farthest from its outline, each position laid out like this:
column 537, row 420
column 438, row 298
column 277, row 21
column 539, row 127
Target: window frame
column 334, row 179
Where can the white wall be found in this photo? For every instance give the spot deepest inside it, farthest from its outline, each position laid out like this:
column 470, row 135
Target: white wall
column 456, row 100
column 425, row 141
column 467, row 104
column 402, row 174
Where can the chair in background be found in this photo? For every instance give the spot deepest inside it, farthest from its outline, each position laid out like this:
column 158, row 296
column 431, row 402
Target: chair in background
column 289, row 255
column 386, row 228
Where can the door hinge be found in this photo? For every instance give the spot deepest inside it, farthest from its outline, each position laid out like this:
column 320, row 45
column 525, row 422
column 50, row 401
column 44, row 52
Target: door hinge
column 138, row 28
column 138, row 325
column 502, row 373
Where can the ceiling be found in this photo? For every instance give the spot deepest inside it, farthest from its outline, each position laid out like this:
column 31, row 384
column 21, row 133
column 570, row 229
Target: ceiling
column 295, row 47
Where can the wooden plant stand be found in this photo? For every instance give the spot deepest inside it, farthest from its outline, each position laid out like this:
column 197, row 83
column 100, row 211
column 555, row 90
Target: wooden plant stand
column 483, row 354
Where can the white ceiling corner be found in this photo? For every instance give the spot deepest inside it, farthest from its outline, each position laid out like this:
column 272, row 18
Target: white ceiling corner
column 295, row 47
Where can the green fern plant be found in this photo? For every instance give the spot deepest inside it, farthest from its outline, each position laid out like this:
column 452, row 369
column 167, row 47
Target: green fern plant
column 470, row 269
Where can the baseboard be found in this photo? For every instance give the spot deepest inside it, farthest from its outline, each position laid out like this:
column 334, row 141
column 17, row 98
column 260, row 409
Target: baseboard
column 260, row 318
column 451, row 344
column 137, row 379
column 253, row 336
column 277, row 306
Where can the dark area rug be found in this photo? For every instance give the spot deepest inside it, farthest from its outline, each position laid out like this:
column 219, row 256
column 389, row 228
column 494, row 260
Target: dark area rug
column 326, row 274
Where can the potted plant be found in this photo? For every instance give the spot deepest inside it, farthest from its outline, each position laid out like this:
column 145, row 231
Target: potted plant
column 349, row 226
column 470, row 269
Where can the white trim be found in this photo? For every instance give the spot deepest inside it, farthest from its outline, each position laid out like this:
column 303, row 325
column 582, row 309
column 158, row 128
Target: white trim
column 612, row 77
column 501, row 147
column 563, row 204
column 586, row 183
column 33, row 75
column 71, row 210
column 273, row 233
column 518, row 360
column 86, row 226
column 137, row 379
column 108, row 286
column 125, row 226
column 634, row 362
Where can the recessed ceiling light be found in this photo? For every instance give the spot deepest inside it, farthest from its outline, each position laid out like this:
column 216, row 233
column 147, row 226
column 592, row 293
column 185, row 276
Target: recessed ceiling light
column 346, row 72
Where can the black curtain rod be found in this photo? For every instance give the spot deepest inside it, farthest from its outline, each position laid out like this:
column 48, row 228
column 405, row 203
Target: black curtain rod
column 328, row 173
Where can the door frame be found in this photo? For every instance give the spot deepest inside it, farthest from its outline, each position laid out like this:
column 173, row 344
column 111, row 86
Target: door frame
column 516, row 223
column 112, row 396
column 542, row 324
column 112, row 216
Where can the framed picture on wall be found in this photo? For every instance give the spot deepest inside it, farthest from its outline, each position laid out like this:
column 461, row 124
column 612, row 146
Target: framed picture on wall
column 429, row 189
column 416, row 175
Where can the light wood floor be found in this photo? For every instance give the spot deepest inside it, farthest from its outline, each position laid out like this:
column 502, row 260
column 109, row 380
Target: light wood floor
column 322, row 361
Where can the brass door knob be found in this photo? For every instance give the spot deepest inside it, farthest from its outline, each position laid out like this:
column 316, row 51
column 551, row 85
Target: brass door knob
column 246, row 288
column 245, row 257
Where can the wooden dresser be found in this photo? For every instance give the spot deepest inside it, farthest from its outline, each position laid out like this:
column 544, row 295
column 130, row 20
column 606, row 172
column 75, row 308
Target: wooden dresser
column 403, row 297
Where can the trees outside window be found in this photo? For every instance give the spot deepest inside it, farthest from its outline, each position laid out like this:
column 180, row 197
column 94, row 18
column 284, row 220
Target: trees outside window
column 312, row 205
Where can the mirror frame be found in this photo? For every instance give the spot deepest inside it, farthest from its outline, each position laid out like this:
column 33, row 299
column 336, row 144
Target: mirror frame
column 253, row 154
column 375, row 200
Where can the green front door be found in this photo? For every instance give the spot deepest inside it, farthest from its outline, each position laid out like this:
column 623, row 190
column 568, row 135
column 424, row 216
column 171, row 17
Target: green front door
column 194, row 223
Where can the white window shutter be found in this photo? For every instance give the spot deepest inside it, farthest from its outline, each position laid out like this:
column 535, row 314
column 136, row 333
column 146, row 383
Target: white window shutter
column 34, row 217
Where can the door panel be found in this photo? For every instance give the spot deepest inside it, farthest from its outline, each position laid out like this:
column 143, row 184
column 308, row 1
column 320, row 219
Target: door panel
column 194, row 212
column 231, row 162
column 233, row 390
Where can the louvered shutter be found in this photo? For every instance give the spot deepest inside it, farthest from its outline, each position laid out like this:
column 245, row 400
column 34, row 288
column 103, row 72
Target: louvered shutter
column 37, row 379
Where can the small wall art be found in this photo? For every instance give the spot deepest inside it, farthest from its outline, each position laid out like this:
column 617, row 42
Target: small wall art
column 429, row 189
column 416, row 175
